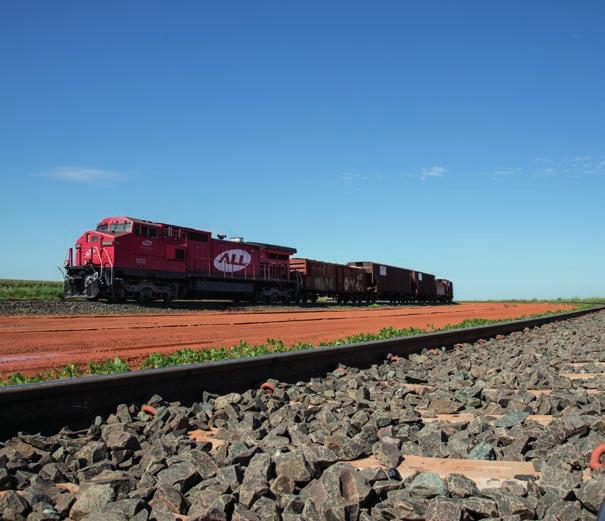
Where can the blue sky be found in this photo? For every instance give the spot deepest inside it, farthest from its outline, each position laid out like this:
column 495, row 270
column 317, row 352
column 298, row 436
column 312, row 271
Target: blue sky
column 465, row 139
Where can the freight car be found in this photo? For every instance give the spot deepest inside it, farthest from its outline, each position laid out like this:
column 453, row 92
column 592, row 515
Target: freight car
column 126, row 258
column 133, row 258
column 388, row 283
column 444, row 290
column 317, row 278
column 423, row 286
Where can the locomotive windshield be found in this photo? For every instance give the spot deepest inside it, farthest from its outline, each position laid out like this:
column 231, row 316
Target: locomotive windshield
column 114, row 227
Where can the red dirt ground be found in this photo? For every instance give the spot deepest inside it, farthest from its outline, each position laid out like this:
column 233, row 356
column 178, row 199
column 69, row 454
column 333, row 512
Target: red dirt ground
column 31, row 344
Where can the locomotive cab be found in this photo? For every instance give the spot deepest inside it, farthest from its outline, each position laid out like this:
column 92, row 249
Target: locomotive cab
column 91, row 270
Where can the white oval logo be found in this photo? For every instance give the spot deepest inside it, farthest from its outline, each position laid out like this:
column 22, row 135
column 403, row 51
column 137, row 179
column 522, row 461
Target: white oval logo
column 147, row 242
column 232, row 260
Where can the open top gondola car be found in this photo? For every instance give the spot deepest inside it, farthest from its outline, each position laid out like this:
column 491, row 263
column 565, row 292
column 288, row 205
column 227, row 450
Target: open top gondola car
column 387, row 282
column 126, row 257
column 444, row 290
column 327, row 279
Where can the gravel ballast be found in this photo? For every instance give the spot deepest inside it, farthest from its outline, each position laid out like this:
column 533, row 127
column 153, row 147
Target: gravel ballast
column 287, row 454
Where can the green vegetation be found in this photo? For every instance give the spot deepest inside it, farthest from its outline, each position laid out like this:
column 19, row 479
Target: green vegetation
column 30, row 290
column 559, row 300
column 241, row 350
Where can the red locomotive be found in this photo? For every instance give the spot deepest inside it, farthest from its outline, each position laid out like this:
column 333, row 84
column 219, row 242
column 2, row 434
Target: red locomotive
column 133, row 258
column 126, row 257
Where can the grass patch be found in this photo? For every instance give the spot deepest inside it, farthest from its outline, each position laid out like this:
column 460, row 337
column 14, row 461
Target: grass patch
column 30, row 289
column 559, row 300
column 241, row 350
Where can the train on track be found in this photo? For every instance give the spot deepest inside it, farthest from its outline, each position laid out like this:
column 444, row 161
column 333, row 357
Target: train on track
column 127, row 258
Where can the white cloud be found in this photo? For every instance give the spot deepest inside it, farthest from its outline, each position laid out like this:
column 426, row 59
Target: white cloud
column 349, row 177
column 546, row 172
column 576, row 166
column 506, row 172
column 433, row 171
column 78, row 174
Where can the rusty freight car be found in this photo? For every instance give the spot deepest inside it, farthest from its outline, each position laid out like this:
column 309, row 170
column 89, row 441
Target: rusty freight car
column 423, row 286
column 387, row 282
column 444, row 290
column 327, row 279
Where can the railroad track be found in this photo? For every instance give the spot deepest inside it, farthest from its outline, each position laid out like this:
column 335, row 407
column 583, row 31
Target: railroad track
column 51, row 405
column 389, row 427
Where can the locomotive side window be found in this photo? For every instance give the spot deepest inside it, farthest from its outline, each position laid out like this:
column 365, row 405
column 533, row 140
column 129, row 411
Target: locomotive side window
column 194, row 236
column 179, row 254
column 277, row 256
column 102, row 227
column 145, row 231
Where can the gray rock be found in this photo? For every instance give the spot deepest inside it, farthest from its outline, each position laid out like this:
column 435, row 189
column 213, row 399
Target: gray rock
column 592, row 493
column 295, row 466
column 91, row 499
column 428, row 484
column 509, row 505
column 203, row 463
column 564, row 511
column 255, row 483
column 123, row 414
column 559, row 479
column 228, row 399
column 441, row 406
column 318, row 456
column 105, row 516
column 92, row 452
column 170, row 498
column 461, row 486
column 443, row 510
column 122, row 440
column 128, row 507
column 240, row 453
column 266, row 509
column 483, row 450
column 10, row 501
column 282, row 485
column 480, row 506
column 7, row 482
column 399, row 505
column 211, row 506
column 64, row 502
column 243, row 514
column 231, row 475
column 387, row 454
column 512, row 418
column 338, row 493
column 182, row 474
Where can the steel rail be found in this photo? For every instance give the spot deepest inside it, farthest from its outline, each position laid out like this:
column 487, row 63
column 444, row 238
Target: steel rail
column 49, row 406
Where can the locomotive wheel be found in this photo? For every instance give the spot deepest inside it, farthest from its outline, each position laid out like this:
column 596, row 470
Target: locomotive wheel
column 115, row 299
column 144, row 296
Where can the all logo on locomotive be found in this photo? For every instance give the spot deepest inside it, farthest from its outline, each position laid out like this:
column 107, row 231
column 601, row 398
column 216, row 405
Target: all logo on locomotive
column 133, row 258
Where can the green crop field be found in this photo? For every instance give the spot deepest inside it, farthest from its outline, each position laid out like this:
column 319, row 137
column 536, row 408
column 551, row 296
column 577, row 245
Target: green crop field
column 30, row 290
